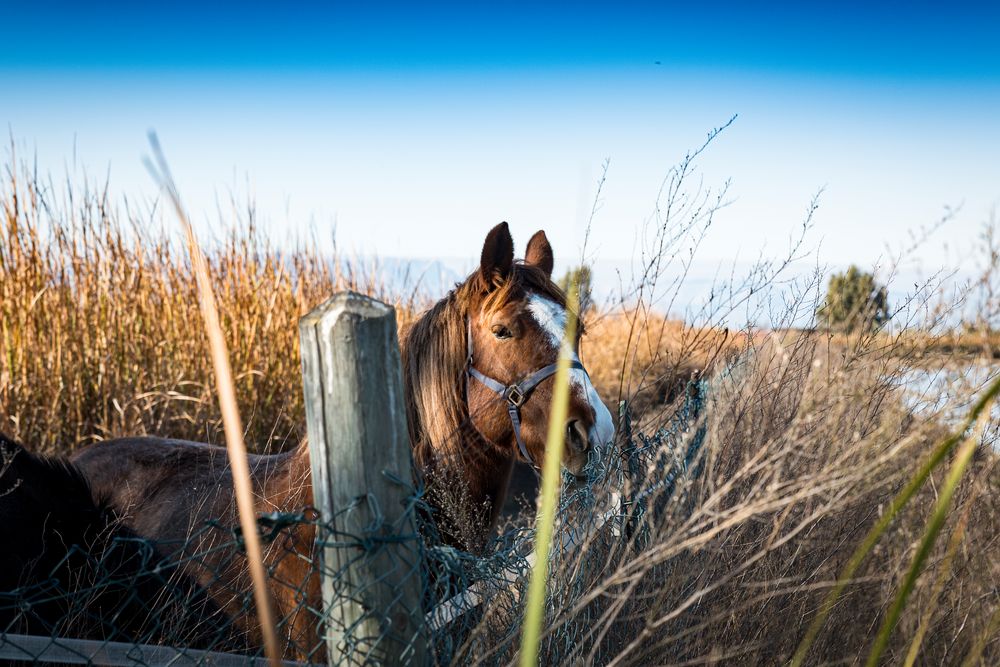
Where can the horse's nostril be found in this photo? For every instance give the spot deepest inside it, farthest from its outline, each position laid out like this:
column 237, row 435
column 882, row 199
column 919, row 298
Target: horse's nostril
column 576, row 436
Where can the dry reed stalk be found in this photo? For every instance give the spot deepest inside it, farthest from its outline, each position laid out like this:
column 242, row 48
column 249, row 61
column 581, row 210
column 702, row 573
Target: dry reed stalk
column 235, row 447
column 944, row 570
column 989, row 634
column 943, row 506
column 914, row 484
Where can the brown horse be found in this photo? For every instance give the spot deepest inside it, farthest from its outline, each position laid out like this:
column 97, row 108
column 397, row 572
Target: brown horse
column 477, row 375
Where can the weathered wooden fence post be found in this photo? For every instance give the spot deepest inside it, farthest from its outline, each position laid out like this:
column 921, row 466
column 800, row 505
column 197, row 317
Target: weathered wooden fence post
column 358, row 442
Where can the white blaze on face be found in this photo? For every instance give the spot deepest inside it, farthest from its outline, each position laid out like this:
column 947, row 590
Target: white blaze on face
column 551, row 317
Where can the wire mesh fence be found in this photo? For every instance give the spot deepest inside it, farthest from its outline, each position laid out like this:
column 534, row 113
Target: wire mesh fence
column 115, row 598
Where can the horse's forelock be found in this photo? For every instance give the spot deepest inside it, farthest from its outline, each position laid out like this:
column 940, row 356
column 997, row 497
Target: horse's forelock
column 523, row 279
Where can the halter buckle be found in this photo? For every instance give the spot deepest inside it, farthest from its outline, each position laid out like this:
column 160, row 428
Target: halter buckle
column 514, row 395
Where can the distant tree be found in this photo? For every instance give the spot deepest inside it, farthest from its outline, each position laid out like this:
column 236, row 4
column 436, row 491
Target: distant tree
column 854, row 300
column 582, row 276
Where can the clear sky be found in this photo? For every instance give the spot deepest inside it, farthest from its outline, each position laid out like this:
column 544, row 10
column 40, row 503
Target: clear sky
column 415, row 128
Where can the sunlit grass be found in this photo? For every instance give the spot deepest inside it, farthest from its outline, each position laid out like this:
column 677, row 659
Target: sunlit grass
column 232, row 422
column 100, row 329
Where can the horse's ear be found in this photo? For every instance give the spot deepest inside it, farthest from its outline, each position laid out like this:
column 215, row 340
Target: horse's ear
column 539, row 253
column 498, row 253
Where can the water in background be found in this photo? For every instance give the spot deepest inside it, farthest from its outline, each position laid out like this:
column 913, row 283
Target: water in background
column 950, row 392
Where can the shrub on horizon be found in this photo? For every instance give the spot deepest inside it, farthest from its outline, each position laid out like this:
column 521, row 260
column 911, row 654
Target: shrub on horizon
column 854, row 301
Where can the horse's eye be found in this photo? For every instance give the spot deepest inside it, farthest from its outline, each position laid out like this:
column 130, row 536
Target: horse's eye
column 502, row 332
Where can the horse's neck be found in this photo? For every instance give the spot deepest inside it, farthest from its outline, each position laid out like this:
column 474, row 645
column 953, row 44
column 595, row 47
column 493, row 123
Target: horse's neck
column 486, row 479
column 439, row 344
column 494, row 481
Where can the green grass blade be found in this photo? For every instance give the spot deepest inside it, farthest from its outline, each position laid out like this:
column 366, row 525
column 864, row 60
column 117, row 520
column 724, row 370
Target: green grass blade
column 898, row 502
column 535, row 610
column 937, row 520
column 957, row 536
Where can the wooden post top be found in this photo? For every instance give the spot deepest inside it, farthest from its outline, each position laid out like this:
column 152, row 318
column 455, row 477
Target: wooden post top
column 346, row 302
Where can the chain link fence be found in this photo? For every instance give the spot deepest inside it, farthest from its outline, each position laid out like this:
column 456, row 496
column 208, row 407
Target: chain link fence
column 120, row 599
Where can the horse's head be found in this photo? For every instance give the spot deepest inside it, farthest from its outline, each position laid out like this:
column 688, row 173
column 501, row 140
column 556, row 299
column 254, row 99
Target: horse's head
column 516, row 319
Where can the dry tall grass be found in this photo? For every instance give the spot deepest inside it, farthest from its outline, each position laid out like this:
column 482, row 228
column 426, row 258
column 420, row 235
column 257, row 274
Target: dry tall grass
column 101, row 335
column 806, row 443
column 100, row 329
column 650, row 359
column 807, row 439
column 803, row 451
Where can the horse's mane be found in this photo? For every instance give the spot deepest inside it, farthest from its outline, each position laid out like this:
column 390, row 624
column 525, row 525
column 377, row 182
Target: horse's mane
column 434, row 352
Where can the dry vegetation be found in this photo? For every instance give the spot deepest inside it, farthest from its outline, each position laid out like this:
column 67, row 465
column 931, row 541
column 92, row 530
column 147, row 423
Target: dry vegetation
column 803, row 452
column 650, row 359
column 808, row 436
column 101, row 335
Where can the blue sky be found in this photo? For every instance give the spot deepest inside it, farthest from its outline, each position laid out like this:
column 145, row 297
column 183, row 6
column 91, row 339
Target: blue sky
column 412, row 128
column 915, row 40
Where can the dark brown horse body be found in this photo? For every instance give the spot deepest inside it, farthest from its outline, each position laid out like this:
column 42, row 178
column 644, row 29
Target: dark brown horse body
column 509, row 313
column 69, row 568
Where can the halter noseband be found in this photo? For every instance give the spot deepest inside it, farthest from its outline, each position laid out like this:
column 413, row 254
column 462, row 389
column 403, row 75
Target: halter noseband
column 515, row 394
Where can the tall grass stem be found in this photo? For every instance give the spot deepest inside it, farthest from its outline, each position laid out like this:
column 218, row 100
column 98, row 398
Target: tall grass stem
column 535, row 609
column 992, row 627
column 944, row 570
column 934, row 526
column 232, row 423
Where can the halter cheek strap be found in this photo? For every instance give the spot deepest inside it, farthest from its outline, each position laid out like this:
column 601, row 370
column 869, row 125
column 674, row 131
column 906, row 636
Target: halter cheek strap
column 515, row 394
